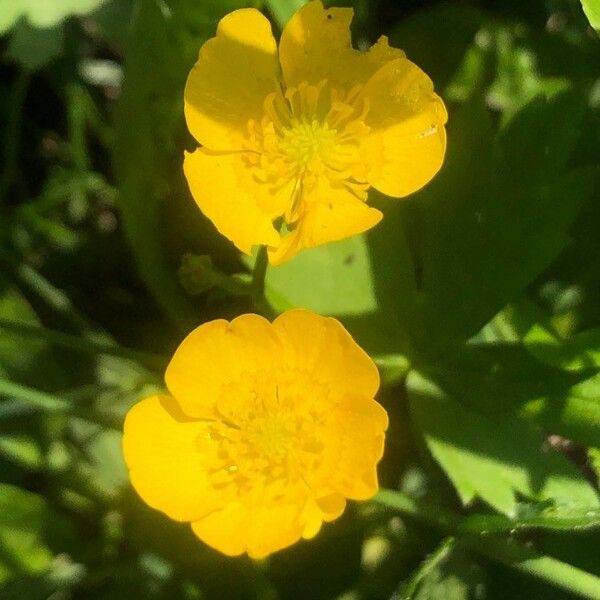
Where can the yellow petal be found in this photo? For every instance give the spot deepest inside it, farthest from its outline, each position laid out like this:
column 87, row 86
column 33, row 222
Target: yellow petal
column 407, row 142
column 355, row 435
column 316, row 45
column 330, row 214
column 358, row 425
column 235, row 72
column 218, row 353
column 230, row 198
column 321, row 345
column 258, row 530
column 161, row 450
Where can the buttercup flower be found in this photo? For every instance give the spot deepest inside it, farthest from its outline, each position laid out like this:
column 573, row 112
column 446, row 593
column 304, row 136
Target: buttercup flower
column 269, row 428
column 303, row 132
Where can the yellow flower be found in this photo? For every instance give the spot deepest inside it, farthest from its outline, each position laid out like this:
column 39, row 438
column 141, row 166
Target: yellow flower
column 303, row 132
column 269, row 428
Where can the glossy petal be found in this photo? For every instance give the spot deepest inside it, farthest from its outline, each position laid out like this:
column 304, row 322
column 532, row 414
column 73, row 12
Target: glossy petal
column 216, row 354
column 359, row 425
column 407, row 142
column 231, row 199
column 331, row 214
column 322, row 346
column 316, row 45
column 160, row 446
column 259, row 530
column 235, row 72
column 270, row 429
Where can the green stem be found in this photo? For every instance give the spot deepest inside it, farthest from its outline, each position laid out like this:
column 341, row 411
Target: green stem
column 507, row 551
column 88, row 346
column 259, row 274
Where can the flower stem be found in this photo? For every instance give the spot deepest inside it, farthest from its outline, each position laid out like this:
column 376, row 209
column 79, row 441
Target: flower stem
column 259, row 272
column 258, row 284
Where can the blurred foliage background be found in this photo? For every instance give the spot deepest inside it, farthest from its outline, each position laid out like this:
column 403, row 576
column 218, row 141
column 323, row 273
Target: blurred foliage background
column 478, row 297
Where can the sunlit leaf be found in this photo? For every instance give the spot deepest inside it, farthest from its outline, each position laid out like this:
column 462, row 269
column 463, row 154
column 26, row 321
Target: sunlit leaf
column 591, row 8
column 494, row 458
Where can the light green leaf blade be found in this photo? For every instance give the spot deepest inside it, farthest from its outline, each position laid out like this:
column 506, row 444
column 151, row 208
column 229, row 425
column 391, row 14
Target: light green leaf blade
column 591, row 8
column 493, row 458
column 41, row 13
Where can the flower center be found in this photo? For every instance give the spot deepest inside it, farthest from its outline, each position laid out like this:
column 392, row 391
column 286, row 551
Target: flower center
column 310, row 131
column 308, row 145
column 270, row 428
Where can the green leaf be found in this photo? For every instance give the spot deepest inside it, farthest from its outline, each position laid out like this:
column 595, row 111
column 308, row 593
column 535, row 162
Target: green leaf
column 591, row 8
column 334, row 279
column 496, row 215
column 494, row 379
column 282, row 10
column 574, row 413
column 148, row 151
column 581, row 351
column 493, row 458
column 43, row 14
column 454, row 576
column 364, row 281
column 100, row 469
column 34, row 48
column 24, row 359
column 30, row 533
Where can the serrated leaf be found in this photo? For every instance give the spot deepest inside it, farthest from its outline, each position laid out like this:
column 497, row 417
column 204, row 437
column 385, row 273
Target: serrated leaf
column 494, row 458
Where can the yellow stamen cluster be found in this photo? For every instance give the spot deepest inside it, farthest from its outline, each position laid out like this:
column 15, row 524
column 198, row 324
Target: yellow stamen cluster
column 308, row 132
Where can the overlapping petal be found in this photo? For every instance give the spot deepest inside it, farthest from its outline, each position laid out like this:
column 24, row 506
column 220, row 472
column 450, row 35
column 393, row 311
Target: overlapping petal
column 235, row 72
column 160, row 446
column 218, row 353
column 322, row 346
column 407, row 142
column 316, row 44
column 256, row 530
column 236, row 204
column 331, row 213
